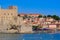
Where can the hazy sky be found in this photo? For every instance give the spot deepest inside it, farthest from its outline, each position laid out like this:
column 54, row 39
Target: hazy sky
column 34, row 6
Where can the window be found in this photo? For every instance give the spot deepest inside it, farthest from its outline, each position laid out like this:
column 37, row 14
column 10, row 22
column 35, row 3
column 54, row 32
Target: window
column 8, row 13
column 11, row 13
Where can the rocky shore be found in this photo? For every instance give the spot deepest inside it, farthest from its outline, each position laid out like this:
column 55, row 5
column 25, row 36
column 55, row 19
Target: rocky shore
column 16, row 31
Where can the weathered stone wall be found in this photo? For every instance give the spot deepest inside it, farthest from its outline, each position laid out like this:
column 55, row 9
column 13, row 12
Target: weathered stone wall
column 6, row 18
column 10, row 17
column 26, row 28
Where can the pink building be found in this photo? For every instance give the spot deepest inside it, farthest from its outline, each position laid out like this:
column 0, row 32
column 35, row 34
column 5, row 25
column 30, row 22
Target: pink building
column 22, row 14
column 52, row 26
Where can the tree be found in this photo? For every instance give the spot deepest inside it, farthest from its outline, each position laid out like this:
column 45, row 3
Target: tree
column 34, row 27
column 56, row 17
column 49, row 16
column 40, row 16
column 25, row 16
column 44, row 16
column 13, row 27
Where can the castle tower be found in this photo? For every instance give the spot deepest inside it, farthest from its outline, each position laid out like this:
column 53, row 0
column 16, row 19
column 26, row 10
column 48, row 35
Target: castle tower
column 12, row 7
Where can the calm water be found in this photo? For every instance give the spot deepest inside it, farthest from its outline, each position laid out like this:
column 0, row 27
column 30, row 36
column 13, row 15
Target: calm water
column 42, row 36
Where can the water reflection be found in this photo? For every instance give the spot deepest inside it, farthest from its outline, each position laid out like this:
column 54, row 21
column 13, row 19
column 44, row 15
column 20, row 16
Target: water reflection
column 42, row 36
column 10, row 36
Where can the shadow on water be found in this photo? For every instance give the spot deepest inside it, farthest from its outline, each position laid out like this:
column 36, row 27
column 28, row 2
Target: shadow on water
column 10, row 36
column 36, row 36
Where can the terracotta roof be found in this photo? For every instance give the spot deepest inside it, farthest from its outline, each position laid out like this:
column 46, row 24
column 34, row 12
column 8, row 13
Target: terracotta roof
column 29, row 14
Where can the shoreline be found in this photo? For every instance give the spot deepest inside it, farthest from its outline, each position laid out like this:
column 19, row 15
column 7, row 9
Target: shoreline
column 30, row 33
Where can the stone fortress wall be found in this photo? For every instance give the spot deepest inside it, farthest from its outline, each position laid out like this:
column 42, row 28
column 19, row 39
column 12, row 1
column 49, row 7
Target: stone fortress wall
column 10, row 17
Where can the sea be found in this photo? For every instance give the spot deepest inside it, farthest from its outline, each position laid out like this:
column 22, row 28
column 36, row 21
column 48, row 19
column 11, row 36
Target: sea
column 34, row 36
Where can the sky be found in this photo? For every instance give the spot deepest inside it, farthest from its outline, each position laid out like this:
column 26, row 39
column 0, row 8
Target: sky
column 45, row 7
